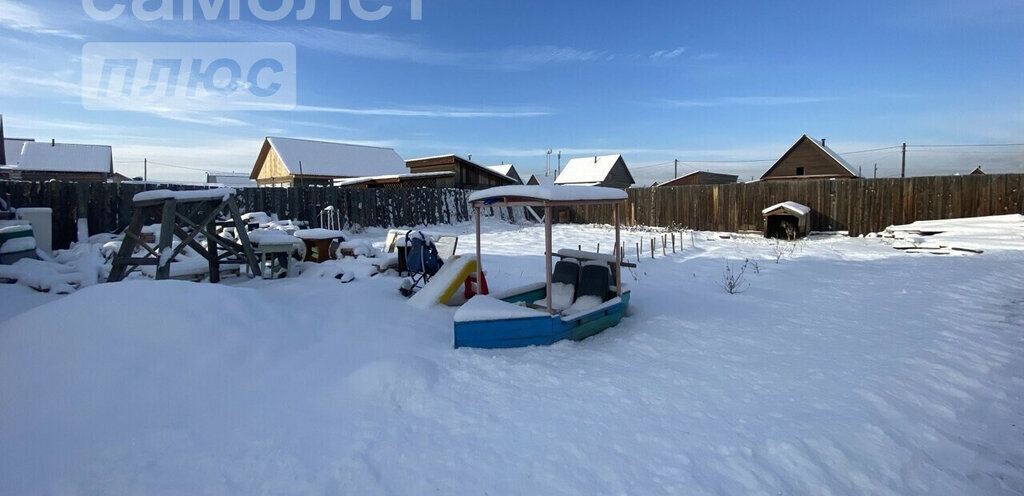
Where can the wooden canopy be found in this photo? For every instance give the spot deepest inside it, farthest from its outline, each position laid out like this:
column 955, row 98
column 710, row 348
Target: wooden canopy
column 549, row 197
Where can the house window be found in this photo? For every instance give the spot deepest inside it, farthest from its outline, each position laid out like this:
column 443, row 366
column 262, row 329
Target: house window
column 799, row 171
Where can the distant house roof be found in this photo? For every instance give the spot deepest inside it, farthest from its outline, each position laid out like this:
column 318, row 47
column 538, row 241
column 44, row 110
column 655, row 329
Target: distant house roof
column 711, row 178
column 821, row 146
column 453, row 159
column 64, row 157
column 397, row 178
column 230, row 178
column 592, row 170
column 12, row 149
column 587, row 169
column 977, row 172
column 535, row 180
column 508, row 170
column 326, row 159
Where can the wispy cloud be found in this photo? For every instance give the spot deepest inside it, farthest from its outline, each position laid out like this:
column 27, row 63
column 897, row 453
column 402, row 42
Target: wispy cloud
column 20, row 17
column 527, row 57
column 451, row 112
column 729, row 101
column 668, row 54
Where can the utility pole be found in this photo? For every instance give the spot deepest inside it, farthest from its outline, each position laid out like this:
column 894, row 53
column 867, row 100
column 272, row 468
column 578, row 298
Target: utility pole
column 676, row 172
column 145, row 169
column 559, row 169
column 547, row 164
column 876, row 171
column 903, row 168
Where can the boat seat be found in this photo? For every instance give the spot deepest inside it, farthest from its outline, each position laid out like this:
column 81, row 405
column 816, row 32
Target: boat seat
column 564, row 280
column 594, row 281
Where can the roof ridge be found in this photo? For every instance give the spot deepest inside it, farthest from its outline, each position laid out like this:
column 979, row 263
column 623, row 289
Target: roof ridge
column 308, row 140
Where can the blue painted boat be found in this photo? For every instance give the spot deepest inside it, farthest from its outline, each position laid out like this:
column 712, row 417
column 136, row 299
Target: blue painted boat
column 520, row 325
column 525, row 316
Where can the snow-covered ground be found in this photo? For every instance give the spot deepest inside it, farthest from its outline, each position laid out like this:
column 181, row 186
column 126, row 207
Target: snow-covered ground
column 847, row 367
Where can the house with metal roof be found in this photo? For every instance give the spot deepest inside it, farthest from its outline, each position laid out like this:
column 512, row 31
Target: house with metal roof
column 697, row 178
column 608, row 171
column 301, row 162
column 810, row 159
column 466, row 173
column 41, row 161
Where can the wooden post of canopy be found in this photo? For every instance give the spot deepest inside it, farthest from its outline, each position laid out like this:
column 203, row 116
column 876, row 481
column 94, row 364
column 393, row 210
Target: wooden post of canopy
column 479, row 261
column 547, row 253
column 618, row 254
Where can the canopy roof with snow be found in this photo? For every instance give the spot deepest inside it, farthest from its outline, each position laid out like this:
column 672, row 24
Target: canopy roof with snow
column 609, row 170
column 809, row 158
column 60, row 157
column 547, row 195
column 283, row 159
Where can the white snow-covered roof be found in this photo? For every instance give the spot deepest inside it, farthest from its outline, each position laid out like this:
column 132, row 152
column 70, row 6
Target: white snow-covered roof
column 550, row 193
column 789, row 206
column 505, row 169
column 834, row 155
column 12, row 149
column 587, row 170
column 64, row 157
column 420, row 175
column 323, row 158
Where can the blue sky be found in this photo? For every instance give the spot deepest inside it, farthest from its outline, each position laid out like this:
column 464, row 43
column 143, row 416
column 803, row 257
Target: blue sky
column 712, row 84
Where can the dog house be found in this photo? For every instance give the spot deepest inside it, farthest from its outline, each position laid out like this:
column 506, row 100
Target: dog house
column 786, row 220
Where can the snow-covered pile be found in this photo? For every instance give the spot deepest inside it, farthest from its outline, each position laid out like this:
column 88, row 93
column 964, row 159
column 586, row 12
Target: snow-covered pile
column 846, row 368
column 970, row 235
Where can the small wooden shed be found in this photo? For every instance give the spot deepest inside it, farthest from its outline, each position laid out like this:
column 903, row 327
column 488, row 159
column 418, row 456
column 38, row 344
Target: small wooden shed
column 786, row 220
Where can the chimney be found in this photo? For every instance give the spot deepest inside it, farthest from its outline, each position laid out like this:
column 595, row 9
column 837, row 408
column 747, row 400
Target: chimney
column 822, row 141
column 595, row 159
column 53, row 142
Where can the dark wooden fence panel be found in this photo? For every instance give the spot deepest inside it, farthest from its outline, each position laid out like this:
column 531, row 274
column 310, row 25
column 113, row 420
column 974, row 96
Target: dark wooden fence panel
column 108, row 207
column 859, row 206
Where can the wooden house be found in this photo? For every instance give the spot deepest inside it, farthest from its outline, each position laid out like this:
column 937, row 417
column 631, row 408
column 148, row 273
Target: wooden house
column 466, row 174
column 977, row 172
column 697, row 178
column 40, row 161
column 508, row 170
column 609, row 171
column 810, row 159
column 300, row 162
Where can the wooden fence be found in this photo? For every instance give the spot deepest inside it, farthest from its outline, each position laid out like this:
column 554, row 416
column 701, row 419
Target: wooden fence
column 108, row 207
column 859, row 206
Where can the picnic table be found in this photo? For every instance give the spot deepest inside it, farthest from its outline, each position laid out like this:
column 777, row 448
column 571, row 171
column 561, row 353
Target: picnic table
column 318, row 243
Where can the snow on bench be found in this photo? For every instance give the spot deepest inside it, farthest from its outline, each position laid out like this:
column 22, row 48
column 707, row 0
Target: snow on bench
column 202, row 194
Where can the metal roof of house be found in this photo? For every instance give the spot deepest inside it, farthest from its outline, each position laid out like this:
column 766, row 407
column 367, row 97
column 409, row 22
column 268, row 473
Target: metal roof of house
column 64, row 157
column 587, row 170
column 324, row 158
column 12, row 149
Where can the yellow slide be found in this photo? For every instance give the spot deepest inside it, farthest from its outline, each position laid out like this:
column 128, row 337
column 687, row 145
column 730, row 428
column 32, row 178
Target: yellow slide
column 446, row 282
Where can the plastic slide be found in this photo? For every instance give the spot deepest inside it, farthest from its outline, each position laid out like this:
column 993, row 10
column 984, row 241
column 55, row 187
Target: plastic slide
column 445, row 283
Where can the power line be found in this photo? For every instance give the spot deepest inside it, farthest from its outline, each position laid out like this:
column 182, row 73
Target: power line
column 966, row 146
